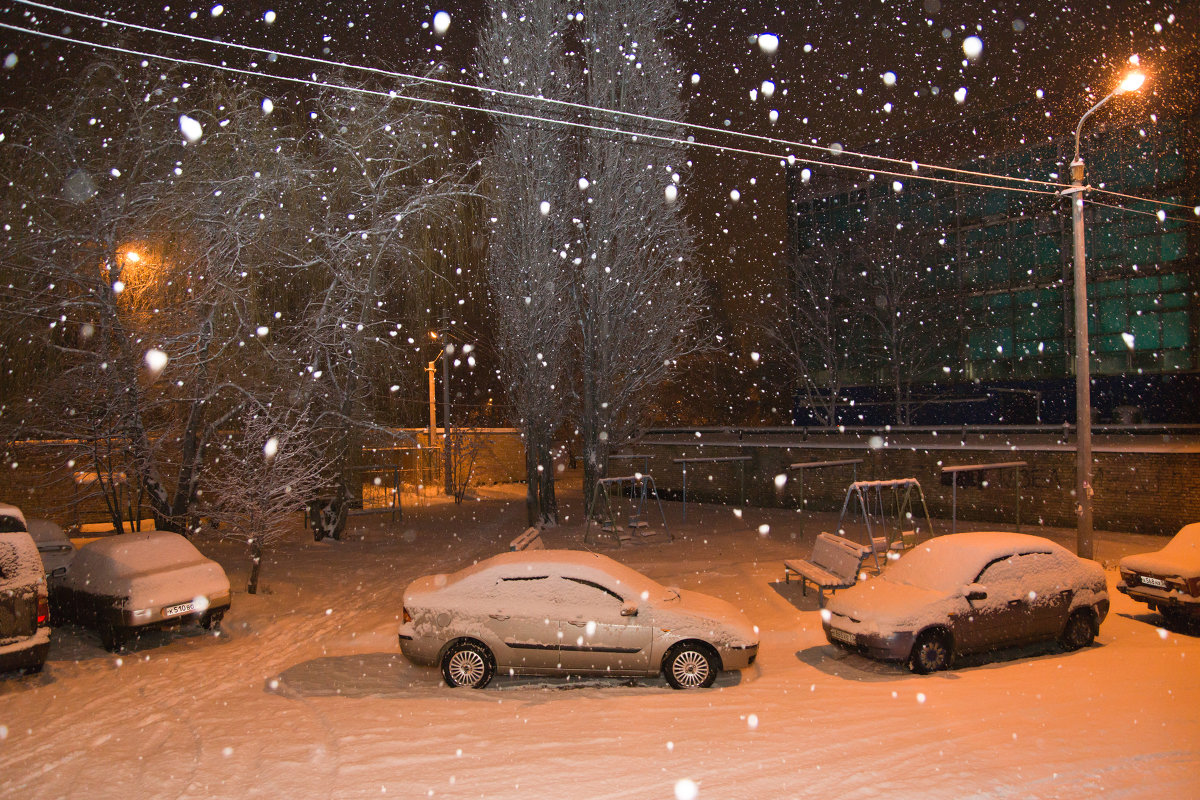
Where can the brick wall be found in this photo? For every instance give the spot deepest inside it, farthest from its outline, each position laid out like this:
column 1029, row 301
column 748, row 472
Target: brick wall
column 1142, row 492
column 39, row 477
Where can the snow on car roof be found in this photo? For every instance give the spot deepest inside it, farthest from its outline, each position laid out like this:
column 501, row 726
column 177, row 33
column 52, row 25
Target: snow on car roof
column 20, row 563
column 949, row 561
column 129, row 553
column 1180, row 556
column 577, row 563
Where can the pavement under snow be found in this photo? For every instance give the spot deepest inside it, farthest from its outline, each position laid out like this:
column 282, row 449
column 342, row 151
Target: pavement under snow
column 304, row 693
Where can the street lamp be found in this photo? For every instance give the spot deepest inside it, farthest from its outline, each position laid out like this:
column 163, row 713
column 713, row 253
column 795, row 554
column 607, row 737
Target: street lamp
column 1084, row 545
column 430, row 369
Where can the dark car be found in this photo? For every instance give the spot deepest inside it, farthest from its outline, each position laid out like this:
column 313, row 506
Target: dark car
column 970, row 593
column 122, row 585
column 1167, row 580
column 24, row 610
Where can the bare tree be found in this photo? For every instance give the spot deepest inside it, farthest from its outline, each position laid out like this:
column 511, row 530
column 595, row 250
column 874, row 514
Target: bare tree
column 261, row 477
column 911, row 328
column 141, row 306
column 636, row 296
column 381, row 183
column 522, row 50
column 819, row 326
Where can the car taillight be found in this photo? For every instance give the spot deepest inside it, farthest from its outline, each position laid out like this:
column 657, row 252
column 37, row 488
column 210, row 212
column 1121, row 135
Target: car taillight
column 43, row 612
column 407, row 617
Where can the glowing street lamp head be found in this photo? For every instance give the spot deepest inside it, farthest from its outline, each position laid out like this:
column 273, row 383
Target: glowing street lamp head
column 1132, row 82
column 132, row 256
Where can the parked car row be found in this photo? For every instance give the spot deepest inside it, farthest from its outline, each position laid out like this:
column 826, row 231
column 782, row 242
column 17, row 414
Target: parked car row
column 565, row 612
column 118, row 586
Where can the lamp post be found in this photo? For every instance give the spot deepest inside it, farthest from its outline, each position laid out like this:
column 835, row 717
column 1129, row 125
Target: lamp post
column 1084, row 544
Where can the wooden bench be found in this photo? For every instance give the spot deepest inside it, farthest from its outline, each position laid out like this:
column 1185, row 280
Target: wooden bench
column 834, row 564
column 531, row 539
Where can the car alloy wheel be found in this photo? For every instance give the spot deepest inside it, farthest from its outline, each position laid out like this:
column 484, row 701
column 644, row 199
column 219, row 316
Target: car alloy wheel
column 468, row 664
column 931, row 653
column 690, row 667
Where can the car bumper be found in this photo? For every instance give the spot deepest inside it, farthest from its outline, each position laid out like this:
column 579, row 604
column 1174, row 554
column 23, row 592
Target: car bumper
column 28, row 653
column 1161, row 598
column 154, row 618
column 881, row 647
column 417, row 649
column 738, row 657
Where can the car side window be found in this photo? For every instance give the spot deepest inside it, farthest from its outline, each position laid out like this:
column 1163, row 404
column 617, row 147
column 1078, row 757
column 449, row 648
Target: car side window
column 10, row 524
column 1018, row 575
column 598, row 587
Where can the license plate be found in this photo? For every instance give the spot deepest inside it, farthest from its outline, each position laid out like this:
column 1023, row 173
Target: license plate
column 1159, row 582
column 843, row 636
column 182, row 608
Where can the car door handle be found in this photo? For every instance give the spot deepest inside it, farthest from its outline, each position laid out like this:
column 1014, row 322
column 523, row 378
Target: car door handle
column 1015, row 603
column 579, row 623
column 498, row 616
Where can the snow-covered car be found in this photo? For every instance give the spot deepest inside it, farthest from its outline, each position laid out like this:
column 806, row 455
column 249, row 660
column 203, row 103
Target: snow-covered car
column 122, row 585
column 52, row 543
column 566, row 612
column 24, row 608
column 1168, row 580
column 970, row 593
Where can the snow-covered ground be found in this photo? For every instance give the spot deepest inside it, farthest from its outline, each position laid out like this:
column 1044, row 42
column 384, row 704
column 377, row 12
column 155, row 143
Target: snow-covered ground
column 304, row 693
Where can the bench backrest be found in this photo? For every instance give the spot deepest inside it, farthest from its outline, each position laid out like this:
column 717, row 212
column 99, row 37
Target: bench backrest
column 841, row 557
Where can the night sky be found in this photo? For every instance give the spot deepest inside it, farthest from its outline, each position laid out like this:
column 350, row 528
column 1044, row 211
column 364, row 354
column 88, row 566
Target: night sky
column 878, row 77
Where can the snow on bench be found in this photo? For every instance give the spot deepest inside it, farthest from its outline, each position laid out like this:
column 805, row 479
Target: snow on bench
column 531, row 539
column 834, row 564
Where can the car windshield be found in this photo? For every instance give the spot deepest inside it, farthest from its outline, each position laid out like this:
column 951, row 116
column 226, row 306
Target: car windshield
column 929, row 566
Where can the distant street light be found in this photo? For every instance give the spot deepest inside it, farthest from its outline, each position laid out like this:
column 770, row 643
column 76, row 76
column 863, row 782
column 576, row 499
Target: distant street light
column 1084, row 545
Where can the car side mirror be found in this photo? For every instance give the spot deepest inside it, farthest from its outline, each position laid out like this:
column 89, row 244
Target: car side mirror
column 629, row 610
column 974, row 592
column 58, row 572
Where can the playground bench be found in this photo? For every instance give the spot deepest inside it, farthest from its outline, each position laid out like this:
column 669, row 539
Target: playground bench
column 834, row 564
column 531, row 539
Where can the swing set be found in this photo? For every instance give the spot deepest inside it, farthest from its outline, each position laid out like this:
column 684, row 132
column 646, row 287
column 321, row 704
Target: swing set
column 609, row 506
column 886, row 510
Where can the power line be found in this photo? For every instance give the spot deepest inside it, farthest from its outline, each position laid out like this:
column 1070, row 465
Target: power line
column 916, row 165
column 789, row 159
column 546, row 100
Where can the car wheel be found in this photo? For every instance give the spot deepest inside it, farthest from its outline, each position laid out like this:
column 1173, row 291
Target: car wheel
column 468, row 664
column 930, row 653
column 690, row 666
column 212, row 620
column 1079, row 631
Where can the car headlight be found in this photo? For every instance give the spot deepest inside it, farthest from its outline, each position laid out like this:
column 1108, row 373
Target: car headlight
column 142, row 613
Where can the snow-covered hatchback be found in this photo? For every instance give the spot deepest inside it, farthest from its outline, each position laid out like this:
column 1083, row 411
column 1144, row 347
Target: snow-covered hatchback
column 24, row 611
column 1168, row 580
column 566, row 612
column 970, row 593
column 121, row 585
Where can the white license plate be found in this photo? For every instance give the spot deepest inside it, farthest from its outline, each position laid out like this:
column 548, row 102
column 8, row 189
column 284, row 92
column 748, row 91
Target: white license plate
column 182, row 608
column 1159, row 582
column 843, row 636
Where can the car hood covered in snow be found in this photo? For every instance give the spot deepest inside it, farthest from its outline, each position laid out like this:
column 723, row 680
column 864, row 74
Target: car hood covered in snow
column 893, row 606
column 1180, row 557
column 702, row 615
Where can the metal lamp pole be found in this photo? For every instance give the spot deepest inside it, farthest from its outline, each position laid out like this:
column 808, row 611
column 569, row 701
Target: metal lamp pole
column 1084, row 542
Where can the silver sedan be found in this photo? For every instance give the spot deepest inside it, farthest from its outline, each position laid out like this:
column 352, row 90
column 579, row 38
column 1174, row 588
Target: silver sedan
column 566, row 612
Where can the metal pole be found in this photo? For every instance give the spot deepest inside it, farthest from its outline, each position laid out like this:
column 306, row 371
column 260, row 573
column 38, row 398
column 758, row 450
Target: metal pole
column 446, row 466
column 430, row 370
column 954, row 502
column 1083, row 384
column 685, row 491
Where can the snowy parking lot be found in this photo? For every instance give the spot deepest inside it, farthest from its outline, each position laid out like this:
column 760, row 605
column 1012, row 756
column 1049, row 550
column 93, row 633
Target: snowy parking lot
column 304, row 693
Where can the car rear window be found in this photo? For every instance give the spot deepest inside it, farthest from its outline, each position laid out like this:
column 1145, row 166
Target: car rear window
column 20, row 564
